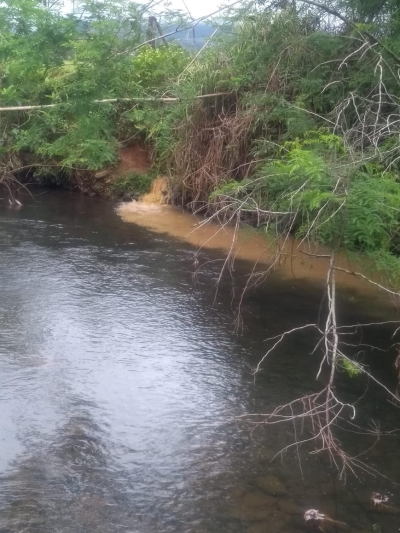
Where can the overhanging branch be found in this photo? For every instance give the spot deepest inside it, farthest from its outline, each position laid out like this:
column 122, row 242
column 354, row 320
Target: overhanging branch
column 338, row 15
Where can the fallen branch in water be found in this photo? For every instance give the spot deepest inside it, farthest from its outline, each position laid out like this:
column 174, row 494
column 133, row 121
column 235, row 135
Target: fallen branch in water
column 319, row 418
column 321, row 414
column 369, row 280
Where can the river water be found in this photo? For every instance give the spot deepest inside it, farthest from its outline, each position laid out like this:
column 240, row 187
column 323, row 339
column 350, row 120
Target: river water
column 122, row 377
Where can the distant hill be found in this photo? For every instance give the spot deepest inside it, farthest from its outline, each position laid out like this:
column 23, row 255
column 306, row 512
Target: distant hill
column 193, row 38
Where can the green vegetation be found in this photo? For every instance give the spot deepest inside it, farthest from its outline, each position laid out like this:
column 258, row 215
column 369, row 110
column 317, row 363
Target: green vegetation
column 131, row 183
column 352, row 369
column 301, row 138
column 47, row 58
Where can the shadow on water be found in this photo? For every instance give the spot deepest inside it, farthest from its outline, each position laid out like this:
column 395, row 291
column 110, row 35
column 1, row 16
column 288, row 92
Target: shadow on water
column 121, row 377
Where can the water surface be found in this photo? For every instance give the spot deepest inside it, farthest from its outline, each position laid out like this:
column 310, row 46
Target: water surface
column 121, row 376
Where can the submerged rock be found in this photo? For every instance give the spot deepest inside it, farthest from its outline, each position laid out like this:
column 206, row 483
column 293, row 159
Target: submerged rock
column 289, row 507
column 236, row 493
column 274, row 524
column 257, row 499
column 254, row 514
column 256, row 507
column 272, row 485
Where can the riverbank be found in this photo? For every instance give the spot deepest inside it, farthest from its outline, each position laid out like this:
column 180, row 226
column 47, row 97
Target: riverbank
column 256, row 248
column 147, row 201
column 129, row 178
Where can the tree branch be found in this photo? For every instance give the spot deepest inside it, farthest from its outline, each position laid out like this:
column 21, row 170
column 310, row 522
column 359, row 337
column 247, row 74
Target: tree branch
column 335, row 13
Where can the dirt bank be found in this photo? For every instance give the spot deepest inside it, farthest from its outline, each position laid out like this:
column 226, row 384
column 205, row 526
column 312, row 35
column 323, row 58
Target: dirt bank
column 112, row 181
column 133, row 158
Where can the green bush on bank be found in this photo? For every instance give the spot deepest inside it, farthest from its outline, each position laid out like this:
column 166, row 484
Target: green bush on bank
column 306, row 125
column 132, row 184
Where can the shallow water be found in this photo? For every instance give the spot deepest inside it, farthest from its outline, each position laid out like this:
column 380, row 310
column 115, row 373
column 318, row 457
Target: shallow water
column 121, row 377
column 246, row 244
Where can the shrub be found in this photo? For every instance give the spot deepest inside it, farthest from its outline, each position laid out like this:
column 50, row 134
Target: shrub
column 131, row 184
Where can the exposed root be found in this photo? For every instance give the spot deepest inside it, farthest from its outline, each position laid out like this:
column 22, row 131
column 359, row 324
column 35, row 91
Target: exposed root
column 9, row 167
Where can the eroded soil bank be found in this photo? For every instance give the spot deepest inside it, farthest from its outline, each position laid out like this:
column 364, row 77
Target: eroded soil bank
column 113, row 181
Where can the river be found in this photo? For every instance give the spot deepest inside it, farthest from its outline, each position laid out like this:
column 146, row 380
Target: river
column 122, row 377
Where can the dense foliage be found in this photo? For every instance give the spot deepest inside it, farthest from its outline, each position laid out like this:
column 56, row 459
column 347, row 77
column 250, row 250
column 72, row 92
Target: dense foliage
column 303, row 139
column 47, row 58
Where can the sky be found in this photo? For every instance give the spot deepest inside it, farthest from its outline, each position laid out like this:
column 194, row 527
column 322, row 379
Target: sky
column 196, row 8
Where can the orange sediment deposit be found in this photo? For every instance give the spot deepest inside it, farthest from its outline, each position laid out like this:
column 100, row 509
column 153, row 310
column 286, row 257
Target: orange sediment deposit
column 246, row 244
column 133, row 159
column 193, row 229
column 159, row 194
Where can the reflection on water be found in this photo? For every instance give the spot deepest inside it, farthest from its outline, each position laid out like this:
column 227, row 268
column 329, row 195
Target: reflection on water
column 119, row 382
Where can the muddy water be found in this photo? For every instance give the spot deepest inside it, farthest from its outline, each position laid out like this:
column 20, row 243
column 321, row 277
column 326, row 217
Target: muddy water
column 246, row 244
column 121, row 377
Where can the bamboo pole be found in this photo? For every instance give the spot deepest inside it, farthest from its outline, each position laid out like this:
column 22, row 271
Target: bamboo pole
column 109, row 100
